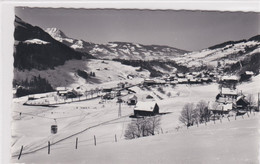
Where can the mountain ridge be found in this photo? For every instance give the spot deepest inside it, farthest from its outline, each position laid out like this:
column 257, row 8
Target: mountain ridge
column 119, row 49
column 34, row 48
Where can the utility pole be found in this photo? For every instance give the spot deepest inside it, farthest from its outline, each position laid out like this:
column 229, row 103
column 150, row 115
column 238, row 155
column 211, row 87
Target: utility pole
column 119, row 110
column 258, row 101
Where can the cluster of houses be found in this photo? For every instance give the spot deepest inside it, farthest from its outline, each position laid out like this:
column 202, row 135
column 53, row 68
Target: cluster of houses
column 74, row 92
column 229, row 100
column 184, row 78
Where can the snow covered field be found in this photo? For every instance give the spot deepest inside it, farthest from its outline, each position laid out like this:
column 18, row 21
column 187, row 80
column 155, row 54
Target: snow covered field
column 234, row 142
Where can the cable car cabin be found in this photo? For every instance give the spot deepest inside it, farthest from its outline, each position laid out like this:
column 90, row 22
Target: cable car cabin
column 54, row 129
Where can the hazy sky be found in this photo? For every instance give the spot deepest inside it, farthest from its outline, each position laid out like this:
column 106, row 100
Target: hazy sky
column 188, row 30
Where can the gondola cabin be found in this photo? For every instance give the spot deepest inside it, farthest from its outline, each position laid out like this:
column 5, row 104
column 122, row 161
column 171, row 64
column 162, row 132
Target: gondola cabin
column 54, row 129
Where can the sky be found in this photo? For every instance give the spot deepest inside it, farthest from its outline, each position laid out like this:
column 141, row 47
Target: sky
column 187, row 30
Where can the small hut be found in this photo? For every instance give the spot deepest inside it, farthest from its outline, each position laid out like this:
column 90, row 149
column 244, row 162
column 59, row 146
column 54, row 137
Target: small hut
column 132, row 100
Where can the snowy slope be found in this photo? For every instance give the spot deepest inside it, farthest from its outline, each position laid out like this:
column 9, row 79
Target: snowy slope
column 228, row 54
column 229, row 142
column 66, row 75
column 36, row 41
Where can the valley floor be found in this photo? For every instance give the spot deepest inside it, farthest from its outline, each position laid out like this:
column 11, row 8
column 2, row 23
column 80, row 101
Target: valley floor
column 230, row 142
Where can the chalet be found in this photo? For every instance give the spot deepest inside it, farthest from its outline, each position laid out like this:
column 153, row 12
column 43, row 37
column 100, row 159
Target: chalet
column 149, row 97
column 132, row 100
column 195, row 74
column 246, row 75
column 206, row 80
column 249, row 73
column 71, row 94
column 149, row 82
column 193, row 81
column 80, row 90
column 241, row 103
column 228, row 95
column 182, row 81
column 61, row 91
column 107, row 90
column 230, row 79
column 180, row 75
column 108, row 96
column 150, row 108
column 220, row 108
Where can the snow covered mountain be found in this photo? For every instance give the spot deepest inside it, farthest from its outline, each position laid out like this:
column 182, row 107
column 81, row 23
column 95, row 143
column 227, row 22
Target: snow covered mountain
column 231, row 55
column 118, row 50
column 34, row 48
column 58, row 35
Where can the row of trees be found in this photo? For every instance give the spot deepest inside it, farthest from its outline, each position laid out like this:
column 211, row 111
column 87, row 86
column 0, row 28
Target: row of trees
column 193, row 114
column 36, row 85
column 85, row 74
column 142, row 127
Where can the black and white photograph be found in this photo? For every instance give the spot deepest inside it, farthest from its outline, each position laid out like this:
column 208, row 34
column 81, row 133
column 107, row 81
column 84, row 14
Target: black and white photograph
column 133, row 85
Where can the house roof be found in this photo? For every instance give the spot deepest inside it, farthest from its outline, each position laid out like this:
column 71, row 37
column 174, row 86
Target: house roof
column 149, row 81
column 145, row 106
column 182, row 80
column 227, row 78
column 63, row 92
column 242, row 97
column 227, row 91
column 132, row 97
column 61, row 89
column 180, row 74
column 249, row 73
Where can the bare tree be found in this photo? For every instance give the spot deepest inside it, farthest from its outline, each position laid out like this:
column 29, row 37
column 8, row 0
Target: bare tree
column 202, row 111
column 153, row 124
column 142, row 127
column 187, row 114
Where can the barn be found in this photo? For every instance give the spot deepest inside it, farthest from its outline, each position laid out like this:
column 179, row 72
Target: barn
column 241, row 103
column 146, row 109
column 132, row 100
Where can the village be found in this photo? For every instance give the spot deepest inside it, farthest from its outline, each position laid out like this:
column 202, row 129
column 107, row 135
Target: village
column 227, row 100
column 116, row 110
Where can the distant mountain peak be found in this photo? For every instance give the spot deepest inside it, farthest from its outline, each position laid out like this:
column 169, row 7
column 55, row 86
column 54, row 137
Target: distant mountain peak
column 55, row 32
column 59, row 35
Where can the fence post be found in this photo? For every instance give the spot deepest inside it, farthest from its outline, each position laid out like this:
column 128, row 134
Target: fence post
column 95, row 142
column 20, row 153
column 220, row 120
column 228, row 119
column 242, row 116
column 49, row 147
column 248, row 114
column 115, row 138
column 77, row 143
